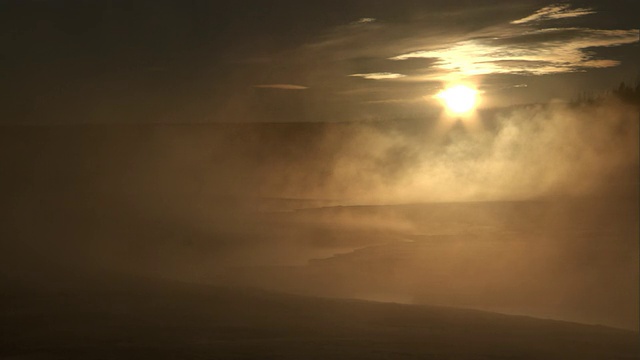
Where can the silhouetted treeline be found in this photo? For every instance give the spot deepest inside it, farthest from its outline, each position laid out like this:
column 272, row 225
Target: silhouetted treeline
column 628, row 93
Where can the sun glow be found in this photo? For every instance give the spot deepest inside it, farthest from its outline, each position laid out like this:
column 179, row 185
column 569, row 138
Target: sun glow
column 459, row 99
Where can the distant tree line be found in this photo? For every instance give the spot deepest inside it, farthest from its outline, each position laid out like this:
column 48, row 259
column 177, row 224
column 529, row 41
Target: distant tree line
column 628, row 93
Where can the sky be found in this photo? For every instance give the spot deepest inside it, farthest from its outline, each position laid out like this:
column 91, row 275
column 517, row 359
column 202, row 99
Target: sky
column 257, row 61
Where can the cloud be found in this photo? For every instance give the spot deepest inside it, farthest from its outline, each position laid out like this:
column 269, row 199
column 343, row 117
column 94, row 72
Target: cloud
column 365, row 20
column 538, row 52
column 435, row 46
column 281, row 86
column 552, row 12
column 396, row 101
column 379, row 76
column 495, row 45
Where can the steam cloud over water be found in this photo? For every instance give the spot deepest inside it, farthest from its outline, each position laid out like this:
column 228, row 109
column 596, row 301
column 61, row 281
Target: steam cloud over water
column 553, row 150
column 216, row 203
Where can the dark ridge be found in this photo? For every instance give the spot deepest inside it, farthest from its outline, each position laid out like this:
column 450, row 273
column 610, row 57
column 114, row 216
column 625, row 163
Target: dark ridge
column 139, row 318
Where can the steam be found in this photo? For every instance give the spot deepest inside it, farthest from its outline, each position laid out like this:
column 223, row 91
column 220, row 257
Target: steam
column 213, row 202
column 539, row 151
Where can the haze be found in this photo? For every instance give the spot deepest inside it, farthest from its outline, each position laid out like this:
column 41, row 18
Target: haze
column 268, row 178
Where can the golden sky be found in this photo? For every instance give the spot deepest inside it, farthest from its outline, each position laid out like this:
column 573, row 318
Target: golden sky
column 284, row 62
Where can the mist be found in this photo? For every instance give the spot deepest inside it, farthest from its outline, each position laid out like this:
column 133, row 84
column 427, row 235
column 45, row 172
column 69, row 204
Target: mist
column 529, row 210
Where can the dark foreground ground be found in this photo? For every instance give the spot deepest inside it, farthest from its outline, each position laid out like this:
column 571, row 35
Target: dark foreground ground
column 164, row 320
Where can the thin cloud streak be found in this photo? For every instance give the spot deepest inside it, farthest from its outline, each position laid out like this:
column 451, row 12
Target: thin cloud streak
column 546, row 51
column 506, row 46
column 365, row 20
column 281, row 86
column 552, row 12
column 379, row 76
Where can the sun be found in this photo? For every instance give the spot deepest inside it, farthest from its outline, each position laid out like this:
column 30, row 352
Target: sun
column 459, row 99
